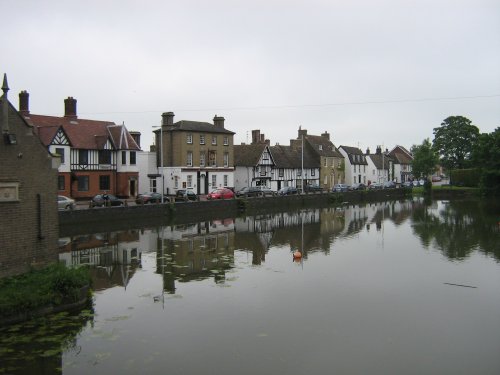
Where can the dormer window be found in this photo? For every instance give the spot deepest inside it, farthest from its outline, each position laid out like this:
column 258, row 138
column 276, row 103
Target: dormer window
column 320, row 147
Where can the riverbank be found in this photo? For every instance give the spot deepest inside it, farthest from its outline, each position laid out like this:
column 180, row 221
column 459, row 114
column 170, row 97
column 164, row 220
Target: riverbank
column 41, row 292
column 93, row 220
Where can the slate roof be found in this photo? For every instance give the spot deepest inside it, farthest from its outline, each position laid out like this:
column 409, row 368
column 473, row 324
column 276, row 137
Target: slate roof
column 291, row 157
column 197, row 126
column 82, row 133
column 327, row 147
column 248, row 155
column 355, row 155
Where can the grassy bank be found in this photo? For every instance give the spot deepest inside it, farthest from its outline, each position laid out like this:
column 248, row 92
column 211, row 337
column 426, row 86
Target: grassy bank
column 51, row 286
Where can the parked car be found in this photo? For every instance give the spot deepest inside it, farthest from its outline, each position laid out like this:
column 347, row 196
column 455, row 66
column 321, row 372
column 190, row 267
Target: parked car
column 288, row 190
column 358, row 186
column 150, row 198
column 313, row 189
column 338, row 188
column 416, row 183
column 255, row 191
column 222, row 193
column 187, row 195
column 389, row 185
column 407, row 184
column 65, row 203
column 436, row 178
column 375, row 186
column 106, row 200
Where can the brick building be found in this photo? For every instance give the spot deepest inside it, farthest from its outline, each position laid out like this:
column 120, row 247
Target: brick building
column 96, row 156
column 28, row 191
column 194, row 155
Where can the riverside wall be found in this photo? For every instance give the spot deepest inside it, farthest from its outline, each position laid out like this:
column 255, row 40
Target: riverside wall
column 94, row 220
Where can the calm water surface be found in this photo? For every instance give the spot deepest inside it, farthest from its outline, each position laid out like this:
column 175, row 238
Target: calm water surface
column 387, row 288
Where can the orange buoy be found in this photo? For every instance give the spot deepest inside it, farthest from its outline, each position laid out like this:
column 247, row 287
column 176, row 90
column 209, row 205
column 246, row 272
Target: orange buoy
column 297, row 255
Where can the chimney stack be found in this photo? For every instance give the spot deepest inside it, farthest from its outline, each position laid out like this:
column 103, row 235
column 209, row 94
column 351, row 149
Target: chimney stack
column 167, row 118
column 302, row 132
column 255, row 136
column 70, row 108
column 219, row 121
column 368, row 151
column 24, row 103
column 379, row 150
column 326, row 135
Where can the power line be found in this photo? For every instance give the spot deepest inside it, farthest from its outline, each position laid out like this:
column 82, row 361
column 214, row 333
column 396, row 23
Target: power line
column 284, row 106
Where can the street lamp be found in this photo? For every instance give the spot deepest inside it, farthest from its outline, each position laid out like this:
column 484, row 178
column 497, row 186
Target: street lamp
column 161, row 161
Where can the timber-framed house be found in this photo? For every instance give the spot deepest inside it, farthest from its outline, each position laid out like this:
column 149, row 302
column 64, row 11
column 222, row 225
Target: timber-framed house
column 96, row 156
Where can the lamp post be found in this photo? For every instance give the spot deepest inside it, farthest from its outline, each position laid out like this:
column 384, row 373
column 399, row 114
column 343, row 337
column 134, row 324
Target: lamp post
column 161, row 161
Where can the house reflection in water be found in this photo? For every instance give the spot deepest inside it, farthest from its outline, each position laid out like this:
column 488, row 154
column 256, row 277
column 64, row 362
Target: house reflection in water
column 206, row 250
column 112, row 257
column 195, row 252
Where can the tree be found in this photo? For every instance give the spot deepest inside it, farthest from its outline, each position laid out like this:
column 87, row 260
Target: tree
column 486, row 156
column 454, row 140
column 425, row 159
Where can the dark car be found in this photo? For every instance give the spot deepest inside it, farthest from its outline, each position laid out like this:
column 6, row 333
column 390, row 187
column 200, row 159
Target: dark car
column 255, row 191
column 150, row 198
column 187, row 195
column 313, row 189
column 222, row 193
column 288, row 190
column 106, row 200
column 358, row 186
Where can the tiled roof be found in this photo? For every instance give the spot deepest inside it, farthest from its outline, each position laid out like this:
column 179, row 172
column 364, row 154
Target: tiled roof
column 197, row 126
column 401, row 155
column 247, row 155
column 82, row 133
column 401, row 158
column 378, row 159
column 327, row 147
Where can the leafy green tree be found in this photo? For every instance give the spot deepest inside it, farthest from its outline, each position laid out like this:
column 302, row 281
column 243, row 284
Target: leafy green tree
column 486, row 156
column 454, row 141
column 425, row 159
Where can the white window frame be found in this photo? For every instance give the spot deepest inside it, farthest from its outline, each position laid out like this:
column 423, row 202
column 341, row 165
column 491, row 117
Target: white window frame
column 189, row 159
column 202, row 139
column 189, row 181
column 189, row 138
column 226, row 159
column 214, row 140
column 226, row 140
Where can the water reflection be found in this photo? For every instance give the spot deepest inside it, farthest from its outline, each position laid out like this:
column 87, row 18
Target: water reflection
column 459, row 228
column 214, row 295
column 205, row 250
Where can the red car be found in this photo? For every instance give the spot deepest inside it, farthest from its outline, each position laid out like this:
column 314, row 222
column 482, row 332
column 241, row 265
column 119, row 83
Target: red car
column 222, row 193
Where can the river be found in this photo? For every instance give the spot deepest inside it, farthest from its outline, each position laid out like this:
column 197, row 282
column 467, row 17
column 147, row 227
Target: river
column 400, row 287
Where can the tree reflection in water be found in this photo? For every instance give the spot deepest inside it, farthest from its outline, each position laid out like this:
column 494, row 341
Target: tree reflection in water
column 458, row 228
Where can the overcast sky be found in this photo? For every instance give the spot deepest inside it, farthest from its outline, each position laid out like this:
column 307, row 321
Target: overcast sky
column 368, row 72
